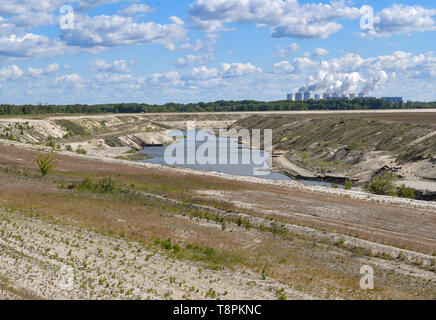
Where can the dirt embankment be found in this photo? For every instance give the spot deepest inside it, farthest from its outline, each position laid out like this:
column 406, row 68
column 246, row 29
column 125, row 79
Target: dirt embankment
column 107, row 135
column 353, row 147
column 110, row 136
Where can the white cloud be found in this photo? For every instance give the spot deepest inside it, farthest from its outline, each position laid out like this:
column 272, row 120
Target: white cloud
column 191, row 60
column 24, row 15
column 401, row 19
column 70, row 81
column 301, row 64
column 39, row 73
column 352, row 73
column 135, row 9
column 118, row 66
column 285, row 18
column 238, row 69
column 14, row 7
column 110, row 31
column 168, row 79
column 198, row 45
column 89, row 4
column 283, row 67
column 320, row 52
column 114, row 78
column 33, row 46
column 289, row 50
column 206, row 45
column 10, row 73
column 202, row 73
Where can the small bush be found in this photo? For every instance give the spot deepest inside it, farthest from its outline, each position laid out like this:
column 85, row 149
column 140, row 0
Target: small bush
column 105, row 185
column 277, row 228
column 281, row 294
column 168, row 245
column 348, row 185
column 383, row 184
column 46, row 164
column 80, row 150
column 406, row 192
column 69, row 148
column 87, row 185
column 51, row 144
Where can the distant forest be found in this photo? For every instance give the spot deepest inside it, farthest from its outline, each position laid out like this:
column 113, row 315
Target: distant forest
column 218, row 106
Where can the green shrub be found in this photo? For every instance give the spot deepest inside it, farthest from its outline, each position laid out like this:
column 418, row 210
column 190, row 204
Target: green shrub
column 51, row 144
column 281, row 294
column 383, row 184
column 87, row 185
column 46, row 164
column 168, row 245
column 80, row 150
column 406, row 192
column 69, row 148
column 277, row 228
column 107, row 185
column 348, row 185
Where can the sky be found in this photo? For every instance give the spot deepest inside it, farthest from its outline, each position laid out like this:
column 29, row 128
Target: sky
column 160, row 51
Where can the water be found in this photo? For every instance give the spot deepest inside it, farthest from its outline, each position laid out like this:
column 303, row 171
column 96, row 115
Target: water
column 214, row 145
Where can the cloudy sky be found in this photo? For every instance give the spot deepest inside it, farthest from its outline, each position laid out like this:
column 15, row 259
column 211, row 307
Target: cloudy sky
column 158, row 51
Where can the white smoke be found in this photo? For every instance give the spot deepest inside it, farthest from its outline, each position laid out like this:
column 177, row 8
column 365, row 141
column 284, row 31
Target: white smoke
column 351, row 74
column 334, row 83
column 375, row 82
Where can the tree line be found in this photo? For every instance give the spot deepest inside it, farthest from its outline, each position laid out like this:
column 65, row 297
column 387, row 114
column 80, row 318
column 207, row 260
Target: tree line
column 218, row 106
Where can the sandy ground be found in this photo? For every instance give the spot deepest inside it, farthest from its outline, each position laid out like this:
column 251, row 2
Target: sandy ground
column 419, row 184
column 282, row 163
column 382, row 224
column 46, row 259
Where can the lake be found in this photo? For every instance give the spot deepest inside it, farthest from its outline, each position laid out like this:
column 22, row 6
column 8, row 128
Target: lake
column 202, row 150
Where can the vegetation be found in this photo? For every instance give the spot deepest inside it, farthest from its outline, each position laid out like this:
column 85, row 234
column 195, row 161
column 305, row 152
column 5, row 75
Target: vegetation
column 281, row 294
column 245, row 105
column 348, row 185
column 105, row 185
column 80, row 150
column 383, row 184
column 46, row 164
column 405, row 192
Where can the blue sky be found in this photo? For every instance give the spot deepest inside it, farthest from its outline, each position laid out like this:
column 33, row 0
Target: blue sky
column 208, row 50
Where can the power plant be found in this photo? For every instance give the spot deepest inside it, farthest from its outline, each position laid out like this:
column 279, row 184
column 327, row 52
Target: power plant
column 308, row 95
